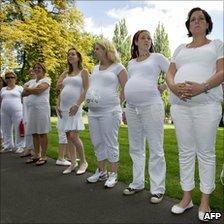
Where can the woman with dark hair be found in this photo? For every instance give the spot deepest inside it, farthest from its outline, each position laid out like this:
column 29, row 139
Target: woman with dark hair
column 196, row 107
column 75, row 83
column 145, row 115
column 38, row 113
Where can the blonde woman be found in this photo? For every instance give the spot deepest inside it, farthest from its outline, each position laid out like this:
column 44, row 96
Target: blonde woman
column 105, row 111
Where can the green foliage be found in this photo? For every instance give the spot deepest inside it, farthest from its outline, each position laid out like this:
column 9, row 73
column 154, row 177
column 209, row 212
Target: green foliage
column 161, row 44
column 122, row 41
column 42, row 31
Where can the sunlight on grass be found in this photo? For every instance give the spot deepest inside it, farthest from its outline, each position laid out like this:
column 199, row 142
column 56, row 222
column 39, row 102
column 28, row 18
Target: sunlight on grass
column 171, row 153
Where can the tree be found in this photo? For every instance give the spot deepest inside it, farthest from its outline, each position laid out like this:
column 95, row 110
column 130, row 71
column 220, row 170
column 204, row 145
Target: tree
column 41, row 30
column 122, row 41
column 161, row 44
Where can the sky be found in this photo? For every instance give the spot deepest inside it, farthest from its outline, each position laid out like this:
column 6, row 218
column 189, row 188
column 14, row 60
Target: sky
column 101, row 17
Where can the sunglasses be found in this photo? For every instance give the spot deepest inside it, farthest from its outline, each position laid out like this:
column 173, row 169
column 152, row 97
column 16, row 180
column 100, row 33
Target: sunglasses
column 10, row 77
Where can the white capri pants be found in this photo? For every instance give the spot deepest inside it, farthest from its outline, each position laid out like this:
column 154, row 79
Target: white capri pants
column 104, row 135
column 196, row 128
column 147, row 123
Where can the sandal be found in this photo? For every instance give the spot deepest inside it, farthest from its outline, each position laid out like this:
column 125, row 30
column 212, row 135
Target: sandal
column 41, row 162
column 32, row 160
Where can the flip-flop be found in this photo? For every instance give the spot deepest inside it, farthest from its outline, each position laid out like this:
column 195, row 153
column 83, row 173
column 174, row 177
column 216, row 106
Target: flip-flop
column 41, row 162
column 25, row 154
column 32, row 160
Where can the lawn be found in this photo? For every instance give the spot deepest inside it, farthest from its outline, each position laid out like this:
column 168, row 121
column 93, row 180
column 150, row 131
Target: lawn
column 125, row 165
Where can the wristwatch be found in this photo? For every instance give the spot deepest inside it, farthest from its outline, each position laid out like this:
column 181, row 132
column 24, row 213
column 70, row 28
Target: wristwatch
column 206, row 88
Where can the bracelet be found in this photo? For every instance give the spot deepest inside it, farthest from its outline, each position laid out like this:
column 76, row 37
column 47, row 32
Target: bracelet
column 206, row 88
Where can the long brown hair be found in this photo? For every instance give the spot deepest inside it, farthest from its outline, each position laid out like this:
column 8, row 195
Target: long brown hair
column 134, row 47
column 80, row 66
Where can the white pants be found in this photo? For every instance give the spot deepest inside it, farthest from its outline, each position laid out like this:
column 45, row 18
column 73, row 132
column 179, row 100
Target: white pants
column 104, row 135
column 196, row 128
column 28, row 139
column 147, row 123
column 8, row 121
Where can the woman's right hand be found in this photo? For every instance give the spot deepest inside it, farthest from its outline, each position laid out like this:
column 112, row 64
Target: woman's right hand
column 179, row 89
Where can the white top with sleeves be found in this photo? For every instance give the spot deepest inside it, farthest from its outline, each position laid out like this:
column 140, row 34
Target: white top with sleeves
column 102, row 95
column 42, row 98
column 198, row 65
column 141, row 88
column 11, row 99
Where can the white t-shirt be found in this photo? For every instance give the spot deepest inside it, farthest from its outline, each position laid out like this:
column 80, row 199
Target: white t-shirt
column 102, row 95
column 42, row 98
column 141, row 88
column 198, row 65
column 11, row 99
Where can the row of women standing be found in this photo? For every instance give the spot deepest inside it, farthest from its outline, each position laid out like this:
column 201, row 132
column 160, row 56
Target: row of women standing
column 193, row 76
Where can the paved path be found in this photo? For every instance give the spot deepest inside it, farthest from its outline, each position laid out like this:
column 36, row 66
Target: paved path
column 31, row 194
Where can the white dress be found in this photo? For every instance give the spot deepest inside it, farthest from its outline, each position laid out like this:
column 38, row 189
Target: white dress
column 38, row 110
column 72, row 88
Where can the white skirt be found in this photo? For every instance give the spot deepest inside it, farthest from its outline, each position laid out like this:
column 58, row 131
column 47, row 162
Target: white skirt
column 70, row 123
column 38, row 119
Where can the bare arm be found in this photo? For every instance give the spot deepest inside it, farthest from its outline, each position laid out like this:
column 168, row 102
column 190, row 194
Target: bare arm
column 177, row 88
column 60, row 80
column 122, row 77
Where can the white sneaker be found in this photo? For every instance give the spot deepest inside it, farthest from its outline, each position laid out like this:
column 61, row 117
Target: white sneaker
column 97, row 176
column 70, row 169
column 63, row 162
column 112, row 180
column 19, row 150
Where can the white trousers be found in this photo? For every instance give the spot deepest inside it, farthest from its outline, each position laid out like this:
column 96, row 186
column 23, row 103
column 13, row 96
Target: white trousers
column 104, row 135
column 10, row 119
column 196, row 128
column 147, row 123
column 62, row 137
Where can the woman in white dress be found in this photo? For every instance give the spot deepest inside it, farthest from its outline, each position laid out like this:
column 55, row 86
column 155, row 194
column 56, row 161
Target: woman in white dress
column 145, row 116
column 11, row 113
column 38, row 112
column 104, row 113
column 194, row 78
column 75, row 83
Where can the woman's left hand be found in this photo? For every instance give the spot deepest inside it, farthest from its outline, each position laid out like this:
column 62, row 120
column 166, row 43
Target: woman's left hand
column 73, row 110
column 194, row 88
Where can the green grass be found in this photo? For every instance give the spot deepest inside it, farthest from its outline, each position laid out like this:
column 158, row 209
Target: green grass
column 170, row 145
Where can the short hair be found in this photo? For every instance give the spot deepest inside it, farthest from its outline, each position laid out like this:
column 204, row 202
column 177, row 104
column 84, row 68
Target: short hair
column 207, row 18
column 111, row 51
column 134, row 47
column 41, row 65
column 80, row 66
column 10, row 72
